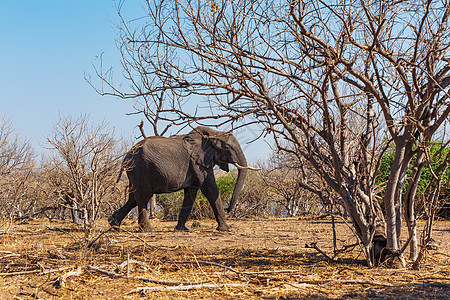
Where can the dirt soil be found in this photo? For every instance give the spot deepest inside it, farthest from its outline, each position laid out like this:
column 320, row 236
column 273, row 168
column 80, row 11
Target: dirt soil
column 258, row 259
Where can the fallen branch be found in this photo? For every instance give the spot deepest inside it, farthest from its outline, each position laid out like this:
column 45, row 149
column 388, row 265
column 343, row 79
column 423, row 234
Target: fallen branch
column 61, row 281
column 8, row 254
column 306, row 286
column 55, row 270
column 441, row 270
column 187, row 287
column 92, row 242
column 115, row 275
column 41, row 211
column 129, row 262
column 270, row 272
column 360, row 281
column 19, row 273
column 205, row 263
column 7, row 232
column 441, row 253
column 314, row 246
column 322, row 216
column 434, row 278
column 54, row 260
column 346, row 281
column 178, row 267
column 346, row 247
column 44, row 272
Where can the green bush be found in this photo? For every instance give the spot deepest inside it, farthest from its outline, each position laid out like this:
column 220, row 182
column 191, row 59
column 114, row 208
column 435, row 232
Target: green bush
column 426, row 176
column 169, row 205
column 226, row 185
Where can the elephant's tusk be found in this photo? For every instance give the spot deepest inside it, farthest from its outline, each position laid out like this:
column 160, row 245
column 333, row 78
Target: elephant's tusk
column 246, row 168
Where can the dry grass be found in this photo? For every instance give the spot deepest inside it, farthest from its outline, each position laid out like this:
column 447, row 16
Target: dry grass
column 259, row 259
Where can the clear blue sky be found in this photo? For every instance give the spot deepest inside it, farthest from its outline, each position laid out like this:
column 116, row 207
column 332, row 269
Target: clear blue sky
column 46, row 48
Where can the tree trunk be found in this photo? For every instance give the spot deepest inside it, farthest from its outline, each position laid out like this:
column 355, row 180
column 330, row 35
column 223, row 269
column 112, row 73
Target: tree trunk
column 410, row 217
column 390, row 201
column 75, row 212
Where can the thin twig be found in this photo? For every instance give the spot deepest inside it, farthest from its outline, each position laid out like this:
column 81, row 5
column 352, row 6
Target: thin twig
column 314, row 246
column 346, row 281
column 92, row 243
column 147, row 244
column 136, row 236
column 10, row 223
column 141, row 128
column 360, row 281
column 266, row 272
column 55, row 270
column 178, row 267
column 130, row 262
column 61, row 281
column 128, row 265
column 43, row 272
column 187, row 287
column 205, row 263
column 10, row 233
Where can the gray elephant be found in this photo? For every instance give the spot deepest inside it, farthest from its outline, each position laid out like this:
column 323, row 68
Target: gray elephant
column 163, row 165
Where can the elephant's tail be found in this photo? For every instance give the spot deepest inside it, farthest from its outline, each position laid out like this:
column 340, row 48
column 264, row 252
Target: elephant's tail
column 118, row 178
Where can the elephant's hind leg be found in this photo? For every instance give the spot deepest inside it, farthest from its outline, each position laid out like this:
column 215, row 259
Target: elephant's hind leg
column 143, row 220
column 142, row 198
column 117, row 217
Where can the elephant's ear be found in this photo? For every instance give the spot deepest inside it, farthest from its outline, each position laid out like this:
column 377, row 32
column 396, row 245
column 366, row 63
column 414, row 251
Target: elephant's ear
column 218, row 143
column 199, row 147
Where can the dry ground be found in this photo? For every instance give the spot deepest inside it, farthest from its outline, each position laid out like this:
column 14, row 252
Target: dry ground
column 258, row 259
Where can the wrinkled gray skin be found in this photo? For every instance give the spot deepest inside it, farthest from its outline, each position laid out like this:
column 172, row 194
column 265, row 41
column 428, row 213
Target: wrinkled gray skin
column 158, row 165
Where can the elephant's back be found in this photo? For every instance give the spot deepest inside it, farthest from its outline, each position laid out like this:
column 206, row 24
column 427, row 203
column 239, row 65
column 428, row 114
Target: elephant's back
column 166, row 162
column 163, row 149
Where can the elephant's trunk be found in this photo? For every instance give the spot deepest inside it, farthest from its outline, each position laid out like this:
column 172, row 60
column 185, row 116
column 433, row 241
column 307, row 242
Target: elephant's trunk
column 242, row 174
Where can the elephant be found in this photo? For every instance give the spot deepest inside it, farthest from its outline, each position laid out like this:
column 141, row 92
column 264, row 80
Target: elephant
column 158, row 165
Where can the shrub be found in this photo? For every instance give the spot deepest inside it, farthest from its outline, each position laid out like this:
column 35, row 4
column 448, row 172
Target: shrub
column 426, row 178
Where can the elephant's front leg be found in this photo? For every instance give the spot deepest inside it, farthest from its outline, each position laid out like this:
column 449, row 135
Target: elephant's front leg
column 190, row 193
column 211, row 192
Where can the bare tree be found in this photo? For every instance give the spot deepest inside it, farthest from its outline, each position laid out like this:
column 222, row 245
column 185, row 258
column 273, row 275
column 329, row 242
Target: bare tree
column 294, row 185
column 17, row 184
column 58, row 191
column 331, row 79
column 87, row 157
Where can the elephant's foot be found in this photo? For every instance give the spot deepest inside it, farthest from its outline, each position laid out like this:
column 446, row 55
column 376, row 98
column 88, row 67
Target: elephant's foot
column 147, row 227
column 223, row 227
column 113, row 222
column 181, row 228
